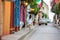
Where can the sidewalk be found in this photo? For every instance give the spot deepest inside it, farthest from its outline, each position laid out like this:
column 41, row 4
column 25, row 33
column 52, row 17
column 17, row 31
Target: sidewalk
column 17, row 35
column 57, row 26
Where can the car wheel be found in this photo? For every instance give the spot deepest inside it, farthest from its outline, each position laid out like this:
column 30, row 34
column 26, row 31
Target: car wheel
column 45, row 23
column 39, row 24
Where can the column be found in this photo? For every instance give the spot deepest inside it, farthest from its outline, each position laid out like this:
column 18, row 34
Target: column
column 6, row 18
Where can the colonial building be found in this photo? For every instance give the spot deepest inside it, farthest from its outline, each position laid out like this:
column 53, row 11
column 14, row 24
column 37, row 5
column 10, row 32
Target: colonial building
column 45, row 8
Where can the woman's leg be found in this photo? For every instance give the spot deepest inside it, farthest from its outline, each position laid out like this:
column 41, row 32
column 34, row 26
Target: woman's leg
column 29, row 27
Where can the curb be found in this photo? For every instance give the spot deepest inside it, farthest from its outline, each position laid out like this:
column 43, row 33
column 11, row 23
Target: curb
column 17, row 36
column 26, row 34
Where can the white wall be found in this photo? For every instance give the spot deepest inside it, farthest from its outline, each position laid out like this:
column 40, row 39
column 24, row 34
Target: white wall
column 45, row 8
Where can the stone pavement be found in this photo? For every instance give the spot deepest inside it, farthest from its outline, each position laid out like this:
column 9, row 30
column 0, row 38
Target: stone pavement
column 57, row 26
column 18, row 35
column 44, row 32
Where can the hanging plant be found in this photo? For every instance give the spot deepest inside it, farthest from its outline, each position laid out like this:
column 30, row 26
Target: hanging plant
column 56, row 8
column 34, row 6
column 45, row 15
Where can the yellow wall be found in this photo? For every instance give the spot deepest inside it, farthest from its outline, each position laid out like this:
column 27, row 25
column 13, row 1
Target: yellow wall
column 6, row 20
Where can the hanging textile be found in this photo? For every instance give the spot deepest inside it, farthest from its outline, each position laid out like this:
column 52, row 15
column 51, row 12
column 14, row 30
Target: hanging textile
column 12, row 15
column 17, row 13
column 23, row 13
column 56, row 1
column 40, row 3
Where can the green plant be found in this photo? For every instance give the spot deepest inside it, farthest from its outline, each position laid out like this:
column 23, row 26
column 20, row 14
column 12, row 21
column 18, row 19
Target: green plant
column 34, row 6
column 56, row 8
column 45, row 15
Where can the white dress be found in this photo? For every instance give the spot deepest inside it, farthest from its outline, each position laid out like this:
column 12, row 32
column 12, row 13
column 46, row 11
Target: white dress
column 30, row 21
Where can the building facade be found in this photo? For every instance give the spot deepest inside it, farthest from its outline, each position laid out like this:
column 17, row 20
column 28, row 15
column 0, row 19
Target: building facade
column 1, row 18
column 45, row 8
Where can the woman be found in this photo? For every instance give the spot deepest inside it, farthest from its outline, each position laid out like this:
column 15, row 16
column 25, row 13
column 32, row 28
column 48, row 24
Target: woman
column 30, row 22
column 39, row 16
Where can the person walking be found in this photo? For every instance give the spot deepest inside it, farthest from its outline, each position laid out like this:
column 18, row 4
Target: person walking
column 30, row 22
column 39, row 16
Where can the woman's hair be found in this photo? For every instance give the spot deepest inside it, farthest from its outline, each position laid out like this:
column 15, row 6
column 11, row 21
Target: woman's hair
column 30, row 16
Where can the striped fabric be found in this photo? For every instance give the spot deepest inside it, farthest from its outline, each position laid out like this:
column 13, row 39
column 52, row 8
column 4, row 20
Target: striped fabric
column 23, row 13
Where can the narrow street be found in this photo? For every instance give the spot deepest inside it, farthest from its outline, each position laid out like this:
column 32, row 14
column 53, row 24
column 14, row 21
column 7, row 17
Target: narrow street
column 44, row 32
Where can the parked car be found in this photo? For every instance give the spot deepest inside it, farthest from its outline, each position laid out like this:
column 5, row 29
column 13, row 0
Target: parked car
column 48, row 20
column 43, row 21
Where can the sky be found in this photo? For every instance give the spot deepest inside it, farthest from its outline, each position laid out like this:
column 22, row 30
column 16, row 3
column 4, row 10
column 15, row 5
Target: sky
column 50, row 13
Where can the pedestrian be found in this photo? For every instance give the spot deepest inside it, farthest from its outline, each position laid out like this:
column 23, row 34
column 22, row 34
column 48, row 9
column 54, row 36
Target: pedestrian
column 39, row 16
column 30, row 22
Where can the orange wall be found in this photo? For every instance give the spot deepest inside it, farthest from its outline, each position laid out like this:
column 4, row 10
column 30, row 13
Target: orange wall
column 0, row 0
column 6, row 20
column 0, row 19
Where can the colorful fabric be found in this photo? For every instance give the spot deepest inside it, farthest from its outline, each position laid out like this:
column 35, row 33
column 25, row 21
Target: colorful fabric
column 23, row 13
column 56, row 1
column 17, row 13
column 39, row 3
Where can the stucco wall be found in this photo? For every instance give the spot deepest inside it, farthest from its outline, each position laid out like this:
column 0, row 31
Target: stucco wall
column 6, row 20
column 1, row 17
column 45, row 8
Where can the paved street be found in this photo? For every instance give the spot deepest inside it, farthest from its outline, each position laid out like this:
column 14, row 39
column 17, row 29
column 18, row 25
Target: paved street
column 44, row 32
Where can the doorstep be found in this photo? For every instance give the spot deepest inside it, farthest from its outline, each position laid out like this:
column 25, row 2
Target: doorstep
column 17, row 35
